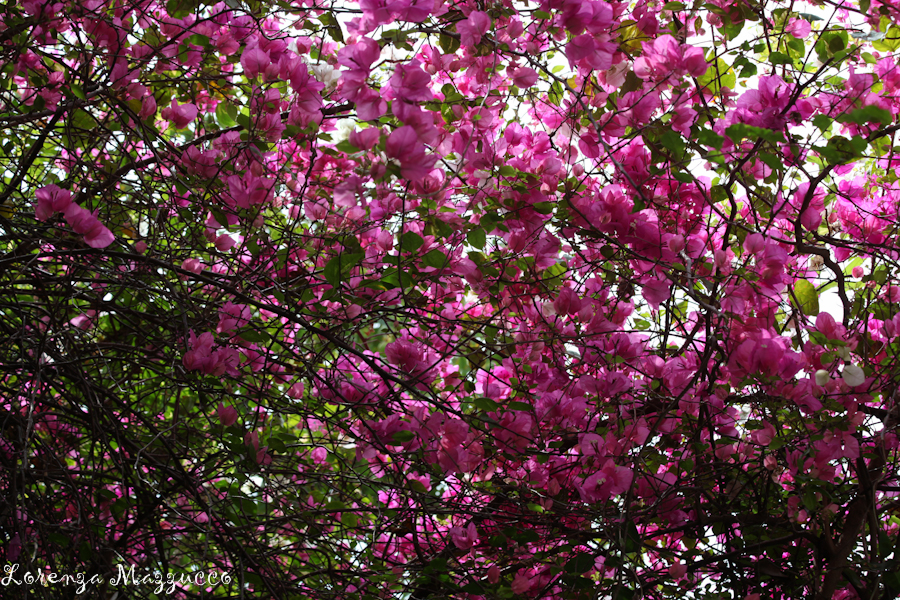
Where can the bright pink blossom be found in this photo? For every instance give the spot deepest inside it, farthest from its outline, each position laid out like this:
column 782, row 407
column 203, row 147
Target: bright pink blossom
column 254, row 60
column 472, row 29
column 180, row 115
column 86, row 223
column 227, row 415
column 464, row 538
column 51, row 199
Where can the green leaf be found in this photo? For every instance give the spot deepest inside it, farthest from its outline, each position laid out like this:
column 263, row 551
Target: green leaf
column 545, row 208
column 777, row 58
column 179, row 9
column 436, row 259
column 346, row 147
column 633, row 540
column 674, row 142
column 823, row 122
column 335, row 267
column 449, row 44
column 836, row 43
column 410, row 241
column 708, row 138
column 732, row 30
column 199, row 39
column 477, row 237
column 77, row 91
column 748, row 69
column 840, row 150
column 350, row 520
column 890, row 42
column 401, row 437
column 830, row 44
column 526, row 536
column 773, row 161
column 486, row 404
column 867, row 114
column 807, row 297
column 394, row 278
column 580, row 563
column 257, row 336
column 718, row 75
column 520, row 406
column 556, row 93
column 739, row 131
column 226, row 116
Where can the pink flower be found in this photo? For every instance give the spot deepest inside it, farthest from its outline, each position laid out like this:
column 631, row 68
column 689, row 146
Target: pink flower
column 193, row 265
column 464, row 538
column 567, row 303
column 180, row 115
column 493, row 574
column 694, row 61
column 416, row 11
column 370, row 105
column 201, row 357
column 360, row 55
column 754, row 243
column 254, row 60
column 14, row 549
column 665, row 57
column 227, row 415
column 677, row 570
column 365, row 139
column 764, row 436
column 84, row 321
column 521, row 583
column 524, row 77
column 411, row 84
column 403, row 144
column 51, row 199
column 148, row 106
column 249, row 190
column 472, row 30
column 251, row 439
column 402, row 141
column 607, row 482
column 798, row 28
column 405, row 354
column 595, row 52
column 829, row 327
column 656, row 291
column 232, row 316
column 86, row 223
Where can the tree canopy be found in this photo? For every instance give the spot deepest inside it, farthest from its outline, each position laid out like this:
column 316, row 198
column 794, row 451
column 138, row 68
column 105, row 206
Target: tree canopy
column 474, row 299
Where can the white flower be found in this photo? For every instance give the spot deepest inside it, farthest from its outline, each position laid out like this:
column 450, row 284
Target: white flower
column 343, row 129
column 326, row 74
column 853, row 376
column 822, row 377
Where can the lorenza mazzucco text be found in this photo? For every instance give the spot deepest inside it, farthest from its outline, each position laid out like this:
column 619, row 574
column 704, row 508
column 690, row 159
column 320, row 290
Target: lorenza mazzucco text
column 42, row 578
column 167, row 583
